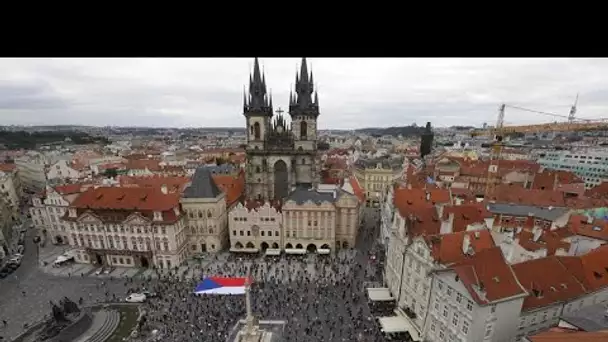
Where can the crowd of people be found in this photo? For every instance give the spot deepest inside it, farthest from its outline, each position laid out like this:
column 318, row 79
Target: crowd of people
column 319, row 298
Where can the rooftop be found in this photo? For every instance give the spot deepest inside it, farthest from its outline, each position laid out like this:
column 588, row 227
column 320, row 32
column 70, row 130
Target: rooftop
column 589, row 318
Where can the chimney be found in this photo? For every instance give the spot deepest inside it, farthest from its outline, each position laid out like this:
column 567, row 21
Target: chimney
column 428, row 196
column 409, row 186
column 555, row 181
column 589, row 219
column 537, row 233
column 466, row 244
column 163, row 188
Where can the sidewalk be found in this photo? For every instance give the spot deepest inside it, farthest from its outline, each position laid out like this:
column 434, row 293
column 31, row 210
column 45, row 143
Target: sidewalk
column 50, row 252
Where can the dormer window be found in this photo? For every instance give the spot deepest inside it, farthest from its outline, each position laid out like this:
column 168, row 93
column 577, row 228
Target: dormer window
column 158, row 216
column 36, row 201
column 72, row 212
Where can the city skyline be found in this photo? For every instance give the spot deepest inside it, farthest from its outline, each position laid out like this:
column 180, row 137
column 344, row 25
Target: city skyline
column 353, row 93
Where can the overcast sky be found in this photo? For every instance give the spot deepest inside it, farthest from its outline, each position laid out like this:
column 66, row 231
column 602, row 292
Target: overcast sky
column 353, row 93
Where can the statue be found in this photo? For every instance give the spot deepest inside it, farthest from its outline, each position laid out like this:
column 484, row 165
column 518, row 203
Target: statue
column 69, row 306
column 58, row 313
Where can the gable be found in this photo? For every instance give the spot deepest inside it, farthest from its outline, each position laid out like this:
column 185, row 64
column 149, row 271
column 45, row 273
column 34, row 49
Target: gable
column 136, row 219
column 89, row 218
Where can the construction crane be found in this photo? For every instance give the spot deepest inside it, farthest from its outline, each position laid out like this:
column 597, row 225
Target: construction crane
column 496, row 151
column 572, row 123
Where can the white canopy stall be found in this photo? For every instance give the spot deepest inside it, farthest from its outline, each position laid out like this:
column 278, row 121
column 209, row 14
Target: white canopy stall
column 398, row 324
column 379, row 294
column 273, row 252
column 295, row 251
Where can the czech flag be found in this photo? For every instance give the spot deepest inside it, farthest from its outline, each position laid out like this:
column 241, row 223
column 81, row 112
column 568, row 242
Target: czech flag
column 222, row 286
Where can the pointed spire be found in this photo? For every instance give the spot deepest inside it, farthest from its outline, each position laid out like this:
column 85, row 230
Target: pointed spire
column 311, row 81
column 256, row 71
column 316, row 99
column 244, row 96
column 304, row 71
column 270, row 102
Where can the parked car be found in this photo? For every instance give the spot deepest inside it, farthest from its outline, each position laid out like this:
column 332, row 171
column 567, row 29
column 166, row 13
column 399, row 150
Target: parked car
column 108, row 270
column 136, row 298
column 149, row 294
column 16, row 259
column 99, row 271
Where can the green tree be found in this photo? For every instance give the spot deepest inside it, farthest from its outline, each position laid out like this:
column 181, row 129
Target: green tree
column 111, row 173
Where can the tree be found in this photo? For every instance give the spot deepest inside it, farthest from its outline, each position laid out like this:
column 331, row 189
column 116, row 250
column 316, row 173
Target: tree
column 219, row 161
column 111, row 173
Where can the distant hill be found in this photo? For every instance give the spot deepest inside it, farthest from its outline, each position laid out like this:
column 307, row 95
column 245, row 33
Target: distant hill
column 406, row 131
column 21, row 139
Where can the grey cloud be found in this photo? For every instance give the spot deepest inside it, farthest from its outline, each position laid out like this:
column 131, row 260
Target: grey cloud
column 353, row 92
column 31, row 95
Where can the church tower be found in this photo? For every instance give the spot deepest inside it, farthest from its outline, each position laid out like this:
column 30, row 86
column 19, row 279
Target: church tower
column 257, row 109
column 304, row 111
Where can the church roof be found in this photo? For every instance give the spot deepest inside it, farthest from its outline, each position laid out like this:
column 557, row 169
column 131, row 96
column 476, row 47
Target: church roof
column 302, row 195
column 202, row 185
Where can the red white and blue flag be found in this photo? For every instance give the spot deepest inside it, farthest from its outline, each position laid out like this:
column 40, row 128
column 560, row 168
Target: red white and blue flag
column 222, row 286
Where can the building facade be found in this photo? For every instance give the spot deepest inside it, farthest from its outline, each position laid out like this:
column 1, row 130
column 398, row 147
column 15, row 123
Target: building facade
column 32, row 171
column 205, row 207
column 256, row 225
column 280, row 158
column 61, row 171
column 137, row 226
column 376, row 175
column 309, row 219
column 590, row 165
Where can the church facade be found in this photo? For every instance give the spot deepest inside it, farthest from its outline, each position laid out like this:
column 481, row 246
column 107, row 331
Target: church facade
column 280, row 156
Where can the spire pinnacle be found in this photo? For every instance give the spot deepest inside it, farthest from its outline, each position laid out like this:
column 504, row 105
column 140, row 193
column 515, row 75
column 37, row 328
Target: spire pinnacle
column 256, row 71
column 304, row 71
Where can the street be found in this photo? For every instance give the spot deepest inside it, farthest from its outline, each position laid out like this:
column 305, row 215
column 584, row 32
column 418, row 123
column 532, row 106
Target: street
column 26, row 293
column 40, row 288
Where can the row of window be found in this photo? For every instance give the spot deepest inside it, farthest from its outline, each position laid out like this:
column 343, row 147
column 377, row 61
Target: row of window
column 458, row 296
column 262, row 219
column 262, row 233
column 118, row 242
column 111, row 228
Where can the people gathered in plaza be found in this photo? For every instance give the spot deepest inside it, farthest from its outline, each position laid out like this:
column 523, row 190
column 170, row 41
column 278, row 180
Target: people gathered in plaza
column 320, row 298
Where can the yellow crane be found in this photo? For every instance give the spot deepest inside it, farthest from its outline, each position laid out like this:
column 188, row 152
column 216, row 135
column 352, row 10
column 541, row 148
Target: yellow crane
column 572, row 123
column 495, row 153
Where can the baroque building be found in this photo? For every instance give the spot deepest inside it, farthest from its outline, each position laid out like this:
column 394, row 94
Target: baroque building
column 280, row 157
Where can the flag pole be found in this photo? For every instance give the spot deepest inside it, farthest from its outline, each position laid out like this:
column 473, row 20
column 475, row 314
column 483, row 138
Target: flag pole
column 248, row 305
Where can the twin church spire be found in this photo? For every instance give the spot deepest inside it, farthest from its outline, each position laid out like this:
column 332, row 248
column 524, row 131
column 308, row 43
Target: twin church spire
column 258, row 102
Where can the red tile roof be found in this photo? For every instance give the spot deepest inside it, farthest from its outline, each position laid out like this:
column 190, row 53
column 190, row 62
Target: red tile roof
column 549, row 240
column 506, row 193
column 174, row 184
column 550, row 180
column 357, row 189
column 488, row 271
column 422, row 221
column 118, row 198
column 232, row 186
column 599, row 191
column 406, row 200
column 7, row 167
column 590, row 269
column 447, row 249
column 595, row 228
column 547, row 282
column 142, row 164
column 466, row 214
column 72, row 188
column 569, row 336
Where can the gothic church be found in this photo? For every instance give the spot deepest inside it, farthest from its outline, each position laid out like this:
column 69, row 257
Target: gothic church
column 280, row 158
